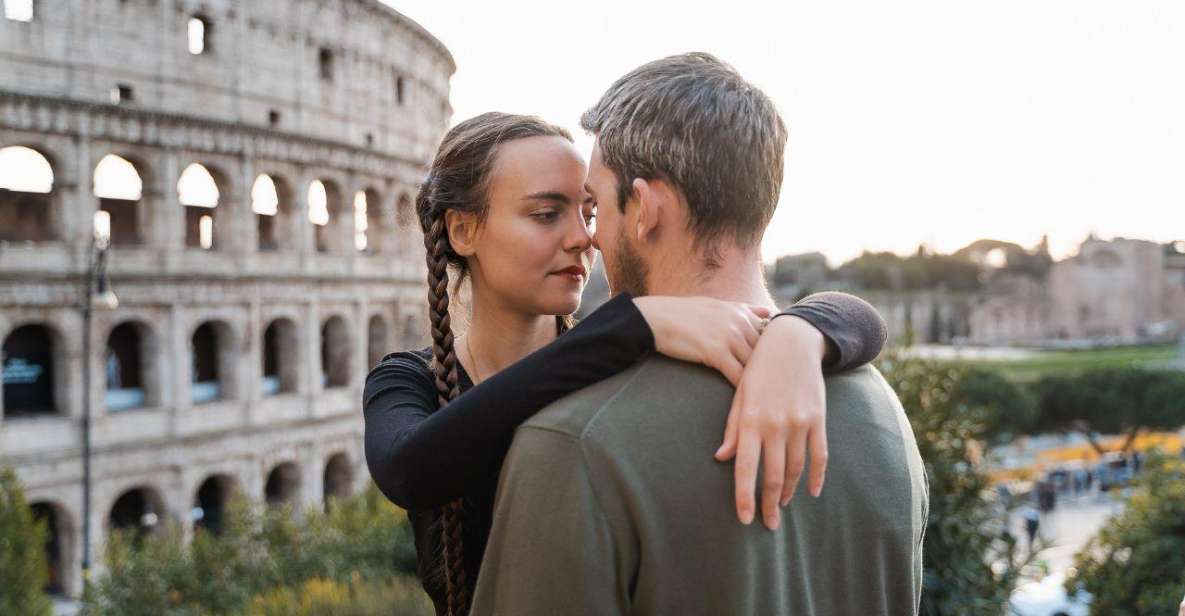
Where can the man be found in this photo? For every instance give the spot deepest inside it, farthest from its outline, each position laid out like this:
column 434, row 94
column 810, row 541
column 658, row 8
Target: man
column 607, row 504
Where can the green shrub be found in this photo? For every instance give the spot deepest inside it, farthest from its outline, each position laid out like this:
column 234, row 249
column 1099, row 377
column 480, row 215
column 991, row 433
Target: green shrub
column 1135, row 566
column 970, row 563
column 23, row 569
column 360, row 597
column 259, row 550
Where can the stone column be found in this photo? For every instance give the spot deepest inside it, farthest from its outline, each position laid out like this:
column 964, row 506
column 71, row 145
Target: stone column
column 177, row 347
column 169, row 221
column 312, row 340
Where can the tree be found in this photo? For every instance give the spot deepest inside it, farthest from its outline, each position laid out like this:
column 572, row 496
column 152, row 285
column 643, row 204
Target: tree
column 1011, row 410
column 1111, row 401
column 23, row 569
column 1135, row 566
column 971, row 563
column 259, row 550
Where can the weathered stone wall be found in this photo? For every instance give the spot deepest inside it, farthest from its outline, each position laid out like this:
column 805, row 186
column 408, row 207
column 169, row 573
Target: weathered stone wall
column 254, row 102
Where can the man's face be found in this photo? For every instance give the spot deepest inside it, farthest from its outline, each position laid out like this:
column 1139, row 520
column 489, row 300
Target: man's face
column 624, row 266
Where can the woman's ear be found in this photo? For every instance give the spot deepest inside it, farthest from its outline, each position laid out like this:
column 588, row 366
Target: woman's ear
column 462, row 231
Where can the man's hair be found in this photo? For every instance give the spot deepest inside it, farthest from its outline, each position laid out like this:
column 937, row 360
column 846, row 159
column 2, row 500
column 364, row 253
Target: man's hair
column 693, row 121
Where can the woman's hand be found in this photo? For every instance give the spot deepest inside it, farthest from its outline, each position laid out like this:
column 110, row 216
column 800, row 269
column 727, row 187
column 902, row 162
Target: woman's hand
column 702, row 330
column 779, row 409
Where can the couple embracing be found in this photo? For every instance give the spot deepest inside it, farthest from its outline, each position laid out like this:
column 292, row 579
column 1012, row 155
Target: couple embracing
column 644, row 460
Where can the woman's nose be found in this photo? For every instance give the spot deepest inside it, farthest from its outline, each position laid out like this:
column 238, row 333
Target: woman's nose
column 579, row 236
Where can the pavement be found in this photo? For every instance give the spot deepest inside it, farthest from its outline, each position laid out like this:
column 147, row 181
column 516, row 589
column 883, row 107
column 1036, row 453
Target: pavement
column 1068, row 527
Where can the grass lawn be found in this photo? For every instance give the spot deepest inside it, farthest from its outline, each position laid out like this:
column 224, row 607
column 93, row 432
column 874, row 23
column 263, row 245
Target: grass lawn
column 1046, row 362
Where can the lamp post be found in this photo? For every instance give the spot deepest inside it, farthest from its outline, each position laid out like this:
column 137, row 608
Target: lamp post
column 96, row 292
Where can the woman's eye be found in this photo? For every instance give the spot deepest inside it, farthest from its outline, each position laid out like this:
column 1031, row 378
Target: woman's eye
column 546, row 216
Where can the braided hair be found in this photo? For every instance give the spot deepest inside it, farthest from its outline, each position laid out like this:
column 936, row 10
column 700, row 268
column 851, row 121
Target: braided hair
column 457, row 181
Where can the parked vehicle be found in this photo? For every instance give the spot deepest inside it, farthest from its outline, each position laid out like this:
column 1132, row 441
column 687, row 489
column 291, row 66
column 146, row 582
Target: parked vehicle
column 1048, row 598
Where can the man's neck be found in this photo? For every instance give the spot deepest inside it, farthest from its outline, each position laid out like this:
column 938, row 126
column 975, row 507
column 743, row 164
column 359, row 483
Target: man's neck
column 499, row 335
column 738, row 278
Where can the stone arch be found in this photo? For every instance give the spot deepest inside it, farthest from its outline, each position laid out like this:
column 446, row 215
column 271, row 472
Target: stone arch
column 371, row 229
column 210, row 500
column 212, row 359
column 283, row 484
column 119, row 188
column 339, row 477
column 61, row 538
column 327, row 213
column 29, row 205
column 131, row 367
column 336, row 350
column 35, row 368
column 204, row 190
column 281, row 356
column 377, row 340
column 139, row 509
column 274, row 205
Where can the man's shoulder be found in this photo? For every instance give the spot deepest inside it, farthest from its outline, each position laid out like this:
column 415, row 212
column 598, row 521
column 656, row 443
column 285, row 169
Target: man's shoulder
column 656, row 378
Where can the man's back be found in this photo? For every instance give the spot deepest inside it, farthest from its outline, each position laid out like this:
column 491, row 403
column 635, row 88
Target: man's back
column 611, row 502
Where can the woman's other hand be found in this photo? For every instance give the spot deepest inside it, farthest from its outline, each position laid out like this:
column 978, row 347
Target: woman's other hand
column 703, row 330
column 777, row 414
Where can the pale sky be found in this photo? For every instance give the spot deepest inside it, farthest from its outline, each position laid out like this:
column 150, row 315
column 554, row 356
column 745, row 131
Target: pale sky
column 935, row 121
column 939, row 121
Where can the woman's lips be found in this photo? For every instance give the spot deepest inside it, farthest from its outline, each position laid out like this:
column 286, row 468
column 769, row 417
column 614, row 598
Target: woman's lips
column 572, row 273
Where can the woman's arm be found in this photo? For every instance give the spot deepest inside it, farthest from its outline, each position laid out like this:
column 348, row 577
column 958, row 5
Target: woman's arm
column 779, row 410
column 854, row 330
column 421, row 457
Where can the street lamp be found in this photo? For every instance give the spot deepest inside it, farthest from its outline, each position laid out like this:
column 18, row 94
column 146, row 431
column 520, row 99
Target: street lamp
column 96, row 293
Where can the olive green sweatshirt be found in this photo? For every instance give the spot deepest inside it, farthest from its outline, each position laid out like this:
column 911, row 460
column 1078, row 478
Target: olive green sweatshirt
column 610, row 502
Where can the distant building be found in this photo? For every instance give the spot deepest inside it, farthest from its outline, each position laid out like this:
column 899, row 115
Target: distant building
column 1112, row 292
column 250, row 310
column 1120, row 291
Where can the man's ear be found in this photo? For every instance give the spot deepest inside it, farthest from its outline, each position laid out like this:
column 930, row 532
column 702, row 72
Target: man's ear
column 655, row 198
column 462, row 232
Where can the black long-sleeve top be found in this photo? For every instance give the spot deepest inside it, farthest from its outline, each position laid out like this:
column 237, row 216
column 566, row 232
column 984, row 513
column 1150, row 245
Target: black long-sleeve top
column 421, row 457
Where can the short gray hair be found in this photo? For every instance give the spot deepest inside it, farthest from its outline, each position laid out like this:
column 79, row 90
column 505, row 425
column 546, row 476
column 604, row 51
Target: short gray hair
column 694, row 121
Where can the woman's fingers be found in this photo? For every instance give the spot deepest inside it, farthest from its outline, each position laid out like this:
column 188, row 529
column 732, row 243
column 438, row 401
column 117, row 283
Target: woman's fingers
column 774, row 454
column 729, row 447
column 761, row 311
column 731, row 368
column 795, row 461
column 748, row 450
column 818, row 442
column 741, row 348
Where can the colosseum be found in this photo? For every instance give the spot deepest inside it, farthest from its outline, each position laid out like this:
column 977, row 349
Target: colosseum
column 243, row 173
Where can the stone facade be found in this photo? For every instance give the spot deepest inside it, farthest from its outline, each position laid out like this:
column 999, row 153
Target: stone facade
column 1112, row 291
column 239, row 366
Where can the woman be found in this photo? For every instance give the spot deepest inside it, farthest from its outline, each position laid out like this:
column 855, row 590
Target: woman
column 504, row 205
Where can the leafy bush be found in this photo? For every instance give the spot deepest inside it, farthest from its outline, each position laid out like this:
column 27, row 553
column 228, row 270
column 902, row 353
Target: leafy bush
column 1135, row 566
column 970, row 563
column 321, row 597
column 23, row 569
column 258, row 551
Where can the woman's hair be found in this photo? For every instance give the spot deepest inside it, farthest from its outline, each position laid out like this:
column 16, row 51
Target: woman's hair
column 458, row 180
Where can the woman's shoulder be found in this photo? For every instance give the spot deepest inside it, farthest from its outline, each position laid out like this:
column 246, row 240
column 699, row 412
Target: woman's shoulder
column 405, row 366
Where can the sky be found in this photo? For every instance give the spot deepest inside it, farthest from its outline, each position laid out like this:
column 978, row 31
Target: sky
column 914, row 121
column 937, row 122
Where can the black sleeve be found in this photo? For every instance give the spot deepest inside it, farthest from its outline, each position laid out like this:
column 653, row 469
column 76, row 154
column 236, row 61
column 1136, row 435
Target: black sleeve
column 422, row 458
column 853, row 328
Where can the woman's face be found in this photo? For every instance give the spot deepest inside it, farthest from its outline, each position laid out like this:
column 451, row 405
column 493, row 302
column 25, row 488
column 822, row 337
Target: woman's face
column 533, row 252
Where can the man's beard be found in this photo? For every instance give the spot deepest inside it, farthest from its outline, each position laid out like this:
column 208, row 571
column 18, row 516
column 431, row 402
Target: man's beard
column 628, row 272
